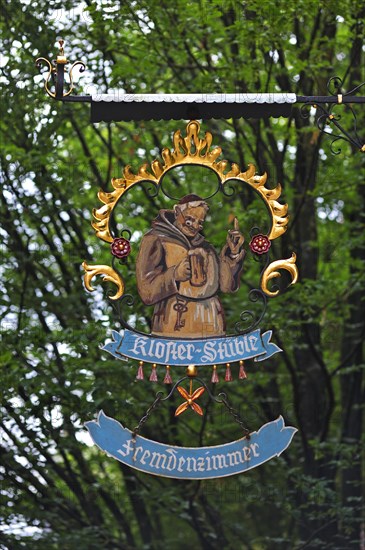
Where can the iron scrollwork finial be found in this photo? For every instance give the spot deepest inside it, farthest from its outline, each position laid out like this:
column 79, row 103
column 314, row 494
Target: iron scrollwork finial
column 55, row 78
column 327, row 118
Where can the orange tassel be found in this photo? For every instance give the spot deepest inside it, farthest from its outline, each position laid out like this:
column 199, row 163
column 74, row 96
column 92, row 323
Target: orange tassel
column 242, row 373
column 167, row 379
column 228, row 376
column 140, row 375
column 153, row 377
column 215, row 377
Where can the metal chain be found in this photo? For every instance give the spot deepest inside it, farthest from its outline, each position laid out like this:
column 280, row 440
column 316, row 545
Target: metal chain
column 234, row 413
column 221, row 398
column 149, row 411
column 142, row 421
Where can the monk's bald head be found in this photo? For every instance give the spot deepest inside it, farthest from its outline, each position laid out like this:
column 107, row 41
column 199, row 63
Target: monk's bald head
column 190, row 213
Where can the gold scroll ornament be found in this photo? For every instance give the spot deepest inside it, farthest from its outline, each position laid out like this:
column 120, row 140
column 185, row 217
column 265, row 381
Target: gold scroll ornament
column 271, row 272
column 109, row 275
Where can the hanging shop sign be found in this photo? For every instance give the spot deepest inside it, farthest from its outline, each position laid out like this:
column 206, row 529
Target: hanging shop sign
column 198, row 352
column 159, row 459
column 181, row 276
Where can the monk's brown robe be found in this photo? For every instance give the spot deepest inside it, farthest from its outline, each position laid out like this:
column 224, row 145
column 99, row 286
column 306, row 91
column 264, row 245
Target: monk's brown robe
column 182, row 310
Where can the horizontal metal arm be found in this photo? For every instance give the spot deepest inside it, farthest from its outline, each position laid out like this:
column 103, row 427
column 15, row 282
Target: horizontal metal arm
column 118, row 106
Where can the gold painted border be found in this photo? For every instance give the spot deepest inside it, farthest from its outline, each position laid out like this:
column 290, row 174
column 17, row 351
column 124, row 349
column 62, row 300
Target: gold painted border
column 190, row 150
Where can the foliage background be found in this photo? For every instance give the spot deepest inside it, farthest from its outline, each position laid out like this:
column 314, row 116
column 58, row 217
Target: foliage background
column 57, row 490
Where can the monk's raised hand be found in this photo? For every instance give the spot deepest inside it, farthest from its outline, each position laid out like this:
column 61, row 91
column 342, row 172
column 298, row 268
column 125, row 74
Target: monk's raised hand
column 183, row 271
column 235, row 239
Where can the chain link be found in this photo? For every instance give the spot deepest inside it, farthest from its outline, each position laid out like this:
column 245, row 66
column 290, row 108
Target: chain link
column 234, row 413
column 149, row 411
column 222, row 398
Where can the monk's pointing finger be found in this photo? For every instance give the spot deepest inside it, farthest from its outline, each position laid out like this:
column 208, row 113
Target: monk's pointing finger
column 236, row 225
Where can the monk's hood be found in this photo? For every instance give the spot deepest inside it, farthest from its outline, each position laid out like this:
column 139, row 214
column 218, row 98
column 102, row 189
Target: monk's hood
column 163, row 226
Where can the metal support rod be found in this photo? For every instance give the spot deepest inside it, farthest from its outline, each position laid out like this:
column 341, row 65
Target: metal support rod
column 313, row 99
column 118, row 108
column 60, row 80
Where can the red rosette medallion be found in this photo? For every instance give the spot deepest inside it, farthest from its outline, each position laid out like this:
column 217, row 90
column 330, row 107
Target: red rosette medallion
column 260, row 244
column 120, row 248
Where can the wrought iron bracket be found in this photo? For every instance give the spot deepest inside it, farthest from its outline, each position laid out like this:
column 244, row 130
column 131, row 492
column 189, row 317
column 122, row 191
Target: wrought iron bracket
column 119, row 106
column 326, row 118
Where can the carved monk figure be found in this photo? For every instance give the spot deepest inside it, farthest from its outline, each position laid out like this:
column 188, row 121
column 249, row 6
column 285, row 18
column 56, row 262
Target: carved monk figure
column 180, row 273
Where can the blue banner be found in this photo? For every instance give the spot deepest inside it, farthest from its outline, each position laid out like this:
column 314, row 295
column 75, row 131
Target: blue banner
column 190, row 462
column 164, row 351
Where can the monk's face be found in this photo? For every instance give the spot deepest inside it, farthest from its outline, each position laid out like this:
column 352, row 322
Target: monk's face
column 191, row 220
